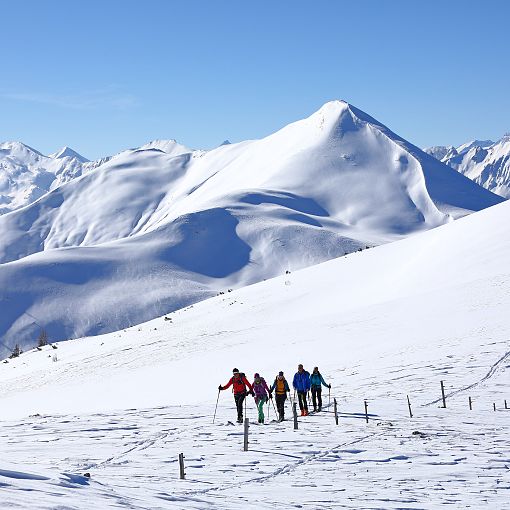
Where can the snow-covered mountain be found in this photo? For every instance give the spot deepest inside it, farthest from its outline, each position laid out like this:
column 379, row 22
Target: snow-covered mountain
column 171, row 147
column 67, row 152
column 381, row 325
column 154, row 229
column 26, row 174
column 484, row 161
column 439, row 151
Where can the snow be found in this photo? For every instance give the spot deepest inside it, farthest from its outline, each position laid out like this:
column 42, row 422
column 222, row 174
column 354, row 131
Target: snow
column 171, row 147
column 26, row 174
column 466, row 147
column 439, row 151
column 381, row 324
column 67, row 152
column 485, row 162
column 157, row 228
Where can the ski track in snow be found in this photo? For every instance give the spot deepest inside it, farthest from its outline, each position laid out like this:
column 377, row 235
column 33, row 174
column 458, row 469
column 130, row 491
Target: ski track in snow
column 496, row 366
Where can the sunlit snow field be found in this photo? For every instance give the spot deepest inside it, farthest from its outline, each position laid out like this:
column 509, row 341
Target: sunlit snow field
column 381, row 324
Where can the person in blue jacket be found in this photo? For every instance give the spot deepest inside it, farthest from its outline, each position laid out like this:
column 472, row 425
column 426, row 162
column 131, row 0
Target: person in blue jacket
column 316, row 380
column 301, row 384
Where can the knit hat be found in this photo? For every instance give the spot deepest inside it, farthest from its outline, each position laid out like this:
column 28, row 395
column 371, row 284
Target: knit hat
column 235, row 371
column 280, row 373
column 256, row 375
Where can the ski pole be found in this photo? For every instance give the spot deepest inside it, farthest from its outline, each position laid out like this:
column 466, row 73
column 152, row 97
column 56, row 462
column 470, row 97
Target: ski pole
column 275, row 411
column 216, row 407
column 329, row 391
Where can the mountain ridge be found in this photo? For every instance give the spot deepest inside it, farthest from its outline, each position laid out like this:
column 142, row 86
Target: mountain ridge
column 485, row 162
column 176, row 229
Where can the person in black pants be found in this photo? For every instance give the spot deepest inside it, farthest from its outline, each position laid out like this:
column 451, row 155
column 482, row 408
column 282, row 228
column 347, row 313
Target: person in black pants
column 240, row 384
column 316, row 380
column 301, row 384
column 280, row 388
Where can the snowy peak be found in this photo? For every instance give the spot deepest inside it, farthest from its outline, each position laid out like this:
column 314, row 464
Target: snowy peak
column 332, row 110
column 485, row 162
column 440, row 151
column 19, row 150
column 26, row 174
column 171, row 147
column 335, row 118
column 482, row 144
column 67, row 152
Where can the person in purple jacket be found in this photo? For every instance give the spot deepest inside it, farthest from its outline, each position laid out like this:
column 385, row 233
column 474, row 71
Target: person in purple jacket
column 261, row 394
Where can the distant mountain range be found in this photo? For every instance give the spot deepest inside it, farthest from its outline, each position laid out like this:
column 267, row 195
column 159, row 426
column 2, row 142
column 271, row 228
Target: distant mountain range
column 153, row 229
column 484, row 161
column 26, row 174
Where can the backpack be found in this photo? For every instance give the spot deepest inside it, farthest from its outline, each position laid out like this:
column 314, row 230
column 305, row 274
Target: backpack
column 284, row 381
column 318, row 374
column 241, row 377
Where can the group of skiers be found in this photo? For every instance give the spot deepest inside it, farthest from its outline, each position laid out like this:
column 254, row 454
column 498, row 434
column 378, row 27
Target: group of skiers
column 302, row 383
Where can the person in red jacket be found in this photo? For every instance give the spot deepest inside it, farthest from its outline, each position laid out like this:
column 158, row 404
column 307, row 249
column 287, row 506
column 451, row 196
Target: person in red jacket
column 240, row 383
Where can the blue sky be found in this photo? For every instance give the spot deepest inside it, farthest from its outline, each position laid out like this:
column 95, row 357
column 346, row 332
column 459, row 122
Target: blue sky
column 104, row 76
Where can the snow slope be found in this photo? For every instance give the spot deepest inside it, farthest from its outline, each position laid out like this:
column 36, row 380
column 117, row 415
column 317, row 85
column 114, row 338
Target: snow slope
column 485, row 162
column 149, row 232
column 381, row 324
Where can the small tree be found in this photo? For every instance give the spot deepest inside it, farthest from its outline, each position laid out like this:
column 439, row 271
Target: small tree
column 43, row 338
column 16, row 351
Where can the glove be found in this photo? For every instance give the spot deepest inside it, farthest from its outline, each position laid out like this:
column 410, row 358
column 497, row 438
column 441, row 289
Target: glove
column 270, row 395
column 251, row 393
column 267, row 400
column 329, row 386
column 220, row 387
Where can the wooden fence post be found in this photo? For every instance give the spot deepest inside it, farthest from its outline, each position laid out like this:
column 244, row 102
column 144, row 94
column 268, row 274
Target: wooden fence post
column 294, row 411
column 181, row 466
column 246, row 427
column 442, row 392
column 336, row 410
column 494, row 404
column 505, row 405
column 366, row 411
column 409, row 405
column 470, row 404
